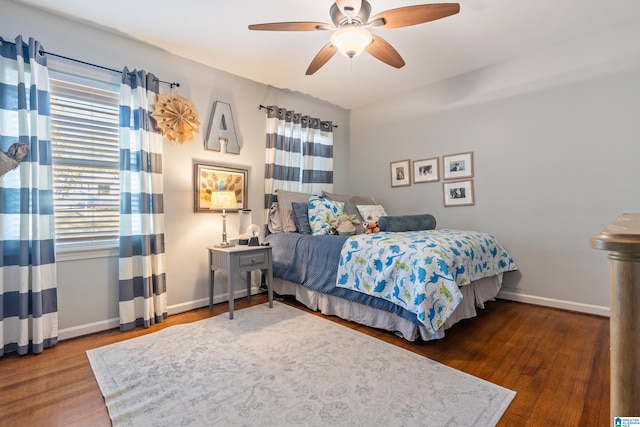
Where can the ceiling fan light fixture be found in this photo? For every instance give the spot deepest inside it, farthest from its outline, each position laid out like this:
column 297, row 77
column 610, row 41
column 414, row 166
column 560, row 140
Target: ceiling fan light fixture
column 351, row 41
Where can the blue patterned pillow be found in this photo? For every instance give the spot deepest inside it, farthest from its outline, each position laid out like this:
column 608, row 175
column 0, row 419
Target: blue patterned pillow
column 321, row 212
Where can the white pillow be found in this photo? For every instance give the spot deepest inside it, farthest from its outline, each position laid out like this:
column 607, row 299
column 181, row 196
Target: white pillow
column 371, row 213
column 322, row 212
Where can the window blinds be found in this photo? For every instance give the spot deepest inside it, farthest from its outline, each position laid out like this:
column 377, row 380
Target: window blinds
column 84, row 136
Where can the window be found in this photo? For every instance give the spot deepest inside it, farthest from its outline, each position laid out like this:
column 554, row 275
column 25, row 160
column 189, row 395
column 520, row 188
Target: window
column 84, row 138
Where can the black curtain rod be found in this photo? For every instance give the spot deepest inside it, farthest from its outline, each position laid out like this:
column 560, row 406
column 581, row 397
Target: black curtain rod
column 171, row 84
column 262, row 107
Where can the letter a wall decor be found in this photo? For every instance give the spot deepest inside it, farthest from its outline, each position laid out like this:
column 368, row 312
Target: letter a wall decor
column 221, row 130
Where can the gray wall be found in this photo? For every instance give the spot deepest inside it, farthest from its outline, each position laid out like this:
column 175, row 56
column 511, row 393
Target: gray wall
column 88, row 281
column 556, row 143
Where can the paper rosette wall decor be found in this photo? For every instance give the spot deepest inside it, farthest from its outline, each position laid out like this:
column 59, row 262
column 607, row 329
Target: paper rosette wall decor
column 176, row 117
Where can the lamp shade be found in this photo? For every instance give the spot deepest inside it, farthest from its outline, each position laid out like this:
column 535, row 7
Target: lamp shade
column 223, row 200
column 351, row 41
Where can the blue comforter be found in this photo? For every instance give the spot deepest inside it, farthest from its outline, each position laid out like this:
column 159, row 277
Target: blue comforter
column 421, row 270
column 312, row 261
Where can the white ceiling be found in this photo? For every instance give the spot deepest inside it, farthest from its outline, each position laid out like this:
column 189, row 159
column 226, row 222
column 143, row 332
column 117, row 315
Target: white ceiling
column 214, row 32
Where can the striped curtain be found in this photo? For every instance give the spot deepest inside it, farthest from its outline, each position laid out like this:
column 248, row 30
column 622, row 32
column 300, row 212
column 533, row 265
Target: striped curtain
column 28, row 294
column 143, row 297
column 299, row 154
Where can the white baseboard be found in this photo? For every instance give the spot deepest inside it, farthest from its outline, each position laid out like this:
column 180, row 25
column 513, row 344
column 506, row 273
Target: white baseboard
column 90, row 328
column 549, row 302
column 204, row 302
column 192, row 305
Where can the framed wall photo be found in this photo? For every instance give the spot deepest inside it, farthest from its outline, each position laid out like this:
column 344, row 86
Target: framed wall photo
column 400, row 173
column 425, row 170
column 456, row 166
column 458, row 193
column 208, row 179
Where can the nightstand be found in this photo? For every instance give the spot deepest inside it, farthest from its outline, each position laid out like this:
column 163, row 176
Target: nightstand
column 238, row 259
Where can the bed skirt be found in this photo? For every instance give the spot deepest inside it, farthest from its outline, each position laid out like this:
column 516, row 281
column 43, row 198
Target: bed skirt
column 474, row 296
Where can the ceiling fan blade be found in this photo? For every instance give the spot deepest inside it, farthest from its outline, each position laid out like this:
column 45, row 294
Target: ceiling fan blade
column 325, row 54
column 383, row 51
column 291, row 26
column 412, row 15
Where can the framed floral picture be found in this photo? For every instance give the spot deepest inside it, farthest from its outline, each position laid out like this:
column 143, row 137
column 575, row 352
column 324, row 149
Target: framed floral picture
column 425, row 170
column 208, row 179
column 457, row 166
column 400, row 173
column 458, row 193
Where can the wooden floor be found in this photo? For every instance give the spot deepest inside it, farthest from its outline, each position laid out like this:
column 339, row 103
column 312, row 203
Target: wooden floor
column 556, row 361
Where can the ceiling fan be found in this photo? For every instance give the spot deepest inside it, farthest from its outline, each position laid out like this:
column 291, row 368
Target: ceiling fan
column 350, row 21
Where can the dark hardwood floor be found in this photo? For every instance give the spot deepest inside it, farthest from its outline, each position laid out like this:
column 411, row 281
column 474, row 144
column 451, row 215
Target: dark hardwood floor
column 557, row 362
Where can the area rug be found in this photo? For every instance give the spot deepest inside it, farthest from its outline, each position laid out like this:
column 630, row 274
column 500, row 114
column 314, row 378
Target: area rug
column 284, row 367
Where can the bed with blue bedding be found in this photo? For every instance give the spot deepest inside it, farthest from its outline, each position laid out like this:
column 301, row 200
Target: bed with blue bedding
column 414, row 283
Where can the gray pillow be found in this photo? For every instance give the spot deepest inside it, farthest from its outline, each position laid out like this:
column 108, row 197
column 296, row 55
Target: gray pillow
column 350, row 207
column 337, row 197
column 407, row 222
column 285, row 198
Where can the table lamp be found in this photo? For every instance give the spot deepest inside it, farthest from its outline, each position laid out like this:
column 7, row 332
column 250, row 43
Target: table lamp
column 223, row 200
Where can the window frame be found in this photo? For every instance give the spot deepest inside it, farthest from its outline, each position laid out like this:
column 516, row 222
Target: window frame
column 96, row 247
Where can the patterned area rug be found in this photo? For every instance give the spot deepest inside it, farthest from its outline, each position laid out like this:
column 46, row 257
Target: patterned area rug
column 284, row 367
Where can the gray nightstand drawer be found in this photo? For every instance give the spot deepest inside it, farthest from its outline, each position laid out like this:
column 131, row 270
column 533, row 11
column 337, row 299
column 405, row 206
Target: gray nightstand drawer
column 253, row 259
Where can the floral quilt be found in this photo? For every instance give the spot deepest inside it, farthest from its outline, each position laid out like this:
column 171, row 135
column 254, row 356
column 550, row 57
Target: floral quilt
column 420, row 270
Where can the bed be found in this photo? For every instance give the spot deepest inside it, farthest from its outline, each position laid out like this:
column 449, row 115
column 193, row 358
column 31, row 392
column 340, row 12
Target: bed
column 415, row 281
